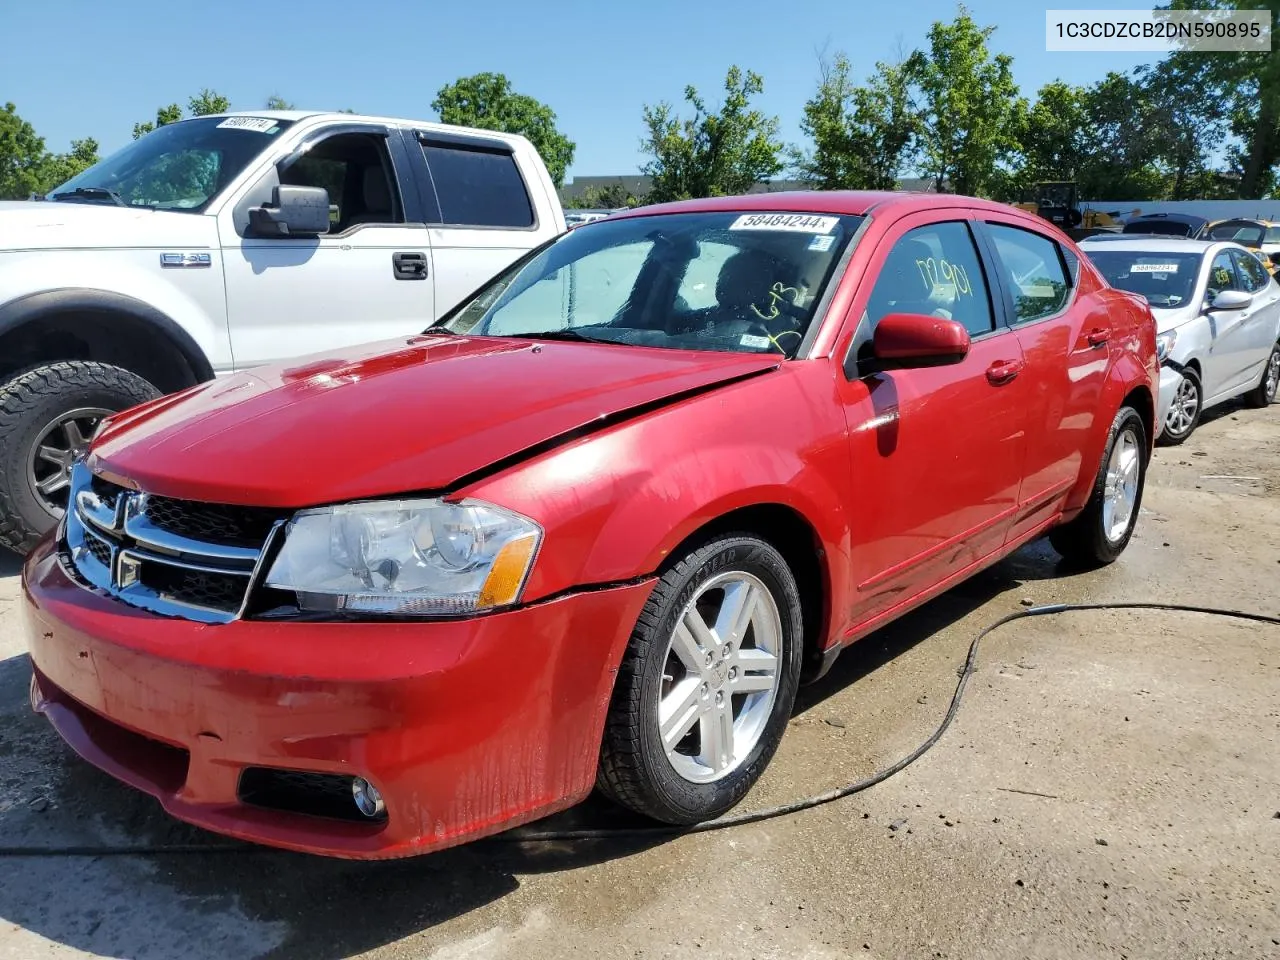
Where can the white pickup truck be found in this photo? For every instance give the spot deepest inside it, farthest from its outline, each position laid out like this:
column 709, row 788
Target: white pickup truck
column 221, row 242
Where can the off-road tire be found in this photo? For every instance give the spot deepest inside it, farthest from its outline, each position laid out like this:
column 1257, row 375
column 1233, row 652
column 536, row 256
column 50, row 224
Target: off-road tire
column 634, row 770
column 1082, row 542
column 27, row 403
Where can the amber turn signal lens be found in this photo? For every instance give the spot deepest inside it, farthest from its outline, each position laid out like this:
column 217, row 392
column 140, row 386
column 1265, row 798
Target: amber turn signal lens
column 506, row 576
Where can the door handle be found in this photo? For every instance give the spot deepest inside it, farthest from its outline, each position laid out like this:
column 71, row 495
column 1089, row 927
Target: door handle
column 409, row 265
column 1002, row 371
column 1098, row 336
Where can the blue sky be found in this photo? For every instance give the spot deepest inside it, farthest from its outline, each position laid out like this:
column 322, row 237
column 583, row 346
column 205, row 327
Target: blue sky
column 90, row 70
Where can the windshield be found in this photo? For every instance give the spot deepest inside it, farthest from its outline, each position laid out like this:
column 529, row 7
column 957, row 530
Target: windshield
column 1247, row 234
column 1167, row 280
column 745, row 282
column 180, row 166
column 1164, row 228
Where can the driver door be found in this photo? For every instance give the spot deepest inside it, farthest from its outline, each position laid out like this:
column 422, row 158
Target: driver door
column 1228, row 360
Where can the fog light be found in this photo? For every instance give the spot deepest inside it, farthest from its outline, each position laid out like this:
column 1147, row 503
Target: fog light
column 368, row 799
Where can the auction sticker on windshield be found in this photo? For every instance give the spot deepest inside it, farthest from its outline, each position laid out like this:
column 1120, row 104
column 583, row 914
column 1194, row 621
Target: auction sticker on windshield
column 260, row 124
column 792, row 222
column 1154, row 268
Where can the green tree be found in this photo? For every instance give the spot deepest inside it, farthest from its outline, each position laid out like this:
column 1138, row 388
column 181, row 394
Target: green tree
column 968, row 103
column 58, row 168
column 203, row 104
column 488, row 101
column 275, row 102
column 612, row 196
column 861, row 134
column 1053, row 135
column 22, row 156
column 1123, row 142
column 711, row 154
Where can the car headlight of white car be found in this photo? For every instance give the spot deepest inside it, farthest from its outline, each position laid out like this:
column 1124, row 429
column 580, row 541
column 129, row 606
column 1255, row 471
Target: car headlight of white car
column 1164, row 344
column 423, row 558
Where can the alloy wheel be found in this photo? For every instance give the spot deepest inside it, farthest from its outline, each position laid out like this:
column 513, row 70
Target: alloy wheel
column 1183, row 409
column 1120, row 497
column 720, row 677
column 1273, row 375
column 58, row 445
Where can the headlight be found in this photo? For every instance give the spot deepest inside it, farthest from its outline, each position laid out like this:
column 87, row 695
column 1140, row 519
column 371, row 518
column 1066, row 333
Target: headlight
column 424, row 558
column 1164, row 344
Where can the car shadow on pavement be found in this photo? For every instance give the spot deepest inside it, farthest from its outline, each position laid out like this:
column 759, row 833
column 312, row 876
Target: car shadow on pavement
column 10, row 563
column 254, row 902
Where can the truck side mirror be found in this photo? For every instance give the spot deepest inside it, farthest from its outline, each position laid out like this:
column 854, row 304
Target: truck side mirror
column 292, row 212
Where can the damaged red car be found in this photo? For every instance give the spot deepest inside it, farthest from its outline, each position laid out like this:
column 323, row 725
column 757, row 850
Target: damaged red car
column 591, row 529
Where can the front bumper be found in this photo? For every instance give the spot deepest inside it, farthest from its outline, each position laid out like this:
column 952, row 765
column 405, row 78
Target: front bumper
column 466, row 727
column 1170, row 377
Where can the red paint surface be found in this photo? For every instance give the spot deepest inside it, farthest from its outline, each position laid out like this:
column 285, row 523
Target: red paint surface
column 907, row 481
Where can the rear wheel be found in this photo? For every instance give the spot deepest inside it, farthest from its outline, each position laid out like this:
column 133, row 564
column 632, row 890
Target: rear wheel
column 1184, row 412
column 707, row 684
column 1264, row 394
column 1102, row 530
column 47, row 417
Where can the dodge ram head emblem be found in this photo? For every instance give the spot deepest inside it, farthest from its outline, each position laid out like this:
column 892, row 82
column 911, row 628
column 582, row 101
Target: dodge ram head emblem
column 126, row 573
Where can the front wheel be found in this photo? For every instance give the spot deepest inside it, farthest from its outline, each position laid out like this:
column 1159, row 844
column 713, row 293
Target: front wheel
column 1264, row 394
column 47, row 418
column 1102, row 530
column 1184, row 412
column 706, row 685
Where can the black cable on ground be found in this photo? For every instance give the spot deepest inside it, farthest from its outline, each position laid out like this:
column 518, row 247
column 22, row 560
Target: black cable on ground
column 723, row 823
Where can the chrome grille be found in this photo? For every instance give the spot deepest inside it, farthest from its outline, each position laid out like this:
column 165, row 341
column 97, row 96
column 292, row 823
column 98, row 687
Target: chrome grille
column 178, row 558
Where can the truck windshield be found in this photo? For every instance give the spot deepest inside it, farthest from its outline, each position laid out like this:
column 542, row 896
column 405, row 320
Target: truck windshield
column 743, row 282
column 180, row 166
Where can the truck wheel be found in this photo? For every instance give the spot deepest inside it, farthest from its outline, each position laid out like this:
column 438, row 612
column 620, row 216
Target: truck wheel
column 1101, row 531
column 47, row 417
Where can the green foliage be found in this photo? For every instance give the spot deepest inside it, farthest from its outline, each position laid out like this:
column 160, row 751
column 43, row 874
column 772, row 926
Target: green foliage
column 614, row 196
column 275, row 102
column 711, row 154
column 861, row 134
column 968, row 105
column 488, row 101
column 27, row 167
column 203, row 104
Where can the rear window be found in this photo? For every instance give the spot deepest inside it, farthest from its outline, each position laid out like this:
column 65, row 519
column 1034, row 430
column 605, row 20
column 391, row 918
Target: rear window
column 478, row 187
column 1167, row 280
column 1164, row 228
column 1244, row 233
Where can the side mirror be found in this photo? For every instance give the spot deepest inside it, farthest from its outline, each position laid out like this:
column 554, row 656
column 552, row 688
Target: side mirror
column 293, row 212
column 906, row 340
column 1231, row 300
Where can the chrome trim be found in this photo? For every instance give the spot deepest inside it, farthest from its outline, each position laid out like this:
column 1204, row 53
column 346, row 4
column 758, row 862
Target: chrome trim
column 260, row 568
column 186, row 260
column 135, row 542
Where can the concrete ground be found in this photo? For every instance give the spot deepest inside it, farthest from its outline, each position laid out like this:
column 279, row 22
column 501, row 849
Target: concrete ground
column 1110, row 789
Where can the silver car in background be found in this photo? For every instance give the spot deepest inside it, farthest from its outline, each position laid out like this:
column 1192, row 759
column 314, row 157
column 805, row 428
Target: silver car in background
column 1218, row 320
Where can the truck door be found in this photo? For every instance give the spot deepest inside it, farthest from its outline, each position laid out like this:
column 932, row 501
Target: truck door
column 368, row 278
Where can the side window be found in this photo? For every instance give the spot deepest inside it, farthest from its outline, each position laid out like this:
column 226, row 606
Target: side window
column 1251, row 271
column 1033, row 266
column 1222, row 275
column 356, row 171
column 478, row 187
column 934, row 270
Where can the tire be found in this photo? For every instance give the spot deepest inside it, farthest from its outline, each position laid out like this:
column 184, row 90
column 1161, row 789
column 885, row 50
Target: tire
column 31, row 408
column 1264, row 394
column 1091, row 539
column 635, row 769
column 1187, row 419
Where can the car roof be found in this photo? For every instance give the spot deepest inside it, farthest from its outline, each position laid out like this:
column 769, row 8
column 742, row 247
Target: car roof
column 843, row 202
column 1153, row 242
column 427, row 126
column 1171, row 217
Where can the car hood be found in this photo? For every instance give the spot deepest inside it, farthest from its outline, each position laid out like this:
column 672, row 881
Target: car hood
column 50, row 225
column 417, row 414
column 1168, row 319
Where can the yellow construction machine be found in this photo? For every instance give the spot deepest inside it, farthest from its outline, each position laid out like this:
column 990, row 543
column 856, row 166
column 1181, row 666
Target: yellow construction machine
column 1057, row 203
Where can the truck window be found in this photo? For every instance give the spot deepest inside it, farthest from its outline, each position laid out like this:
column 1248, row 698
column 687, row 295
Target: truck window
column 356, row 170
column 478, row 187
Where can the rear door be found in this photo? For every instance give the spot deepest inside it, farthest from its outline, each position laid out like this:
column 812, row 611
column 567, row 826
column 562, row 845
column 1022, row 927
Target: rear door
column 1065, row 341
column 936, row 451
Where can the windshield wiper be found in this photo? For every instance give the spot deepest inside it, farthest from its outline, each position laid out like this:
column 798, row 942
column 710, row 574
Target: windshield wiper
column 93, row 193
column 566, row 334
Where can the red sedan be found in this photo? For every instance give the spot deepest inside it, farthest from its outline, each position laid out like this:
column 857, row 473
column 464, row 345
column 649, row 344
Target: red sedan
column 591, row 529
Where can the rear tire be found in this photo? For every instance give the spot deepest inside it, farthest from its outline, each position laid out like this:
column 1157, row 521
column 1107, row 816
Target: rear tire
column 1264, row 394
column 707, row 684
column 47, row 416
column 1102, row 530
column 1184, row 412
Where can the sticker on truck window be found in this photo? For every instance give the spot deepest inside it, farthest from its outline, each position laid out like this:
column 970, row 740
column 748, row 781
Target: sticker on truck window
column 1154, row 268
column 786, row 222
column 259, row 124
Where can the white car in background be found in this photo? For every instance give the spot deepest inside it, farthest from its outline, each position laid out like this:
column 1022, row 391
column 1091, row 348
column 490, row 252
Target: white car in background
column 1218, row 321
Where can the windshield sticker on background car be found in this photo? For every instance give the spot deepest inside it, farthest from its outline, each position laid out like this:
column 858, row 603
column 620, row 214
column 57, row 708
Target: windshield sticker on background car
column 790, row 222
column 1154, row 268
column 260, row 124
column 822, row 244
column 778, row 293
